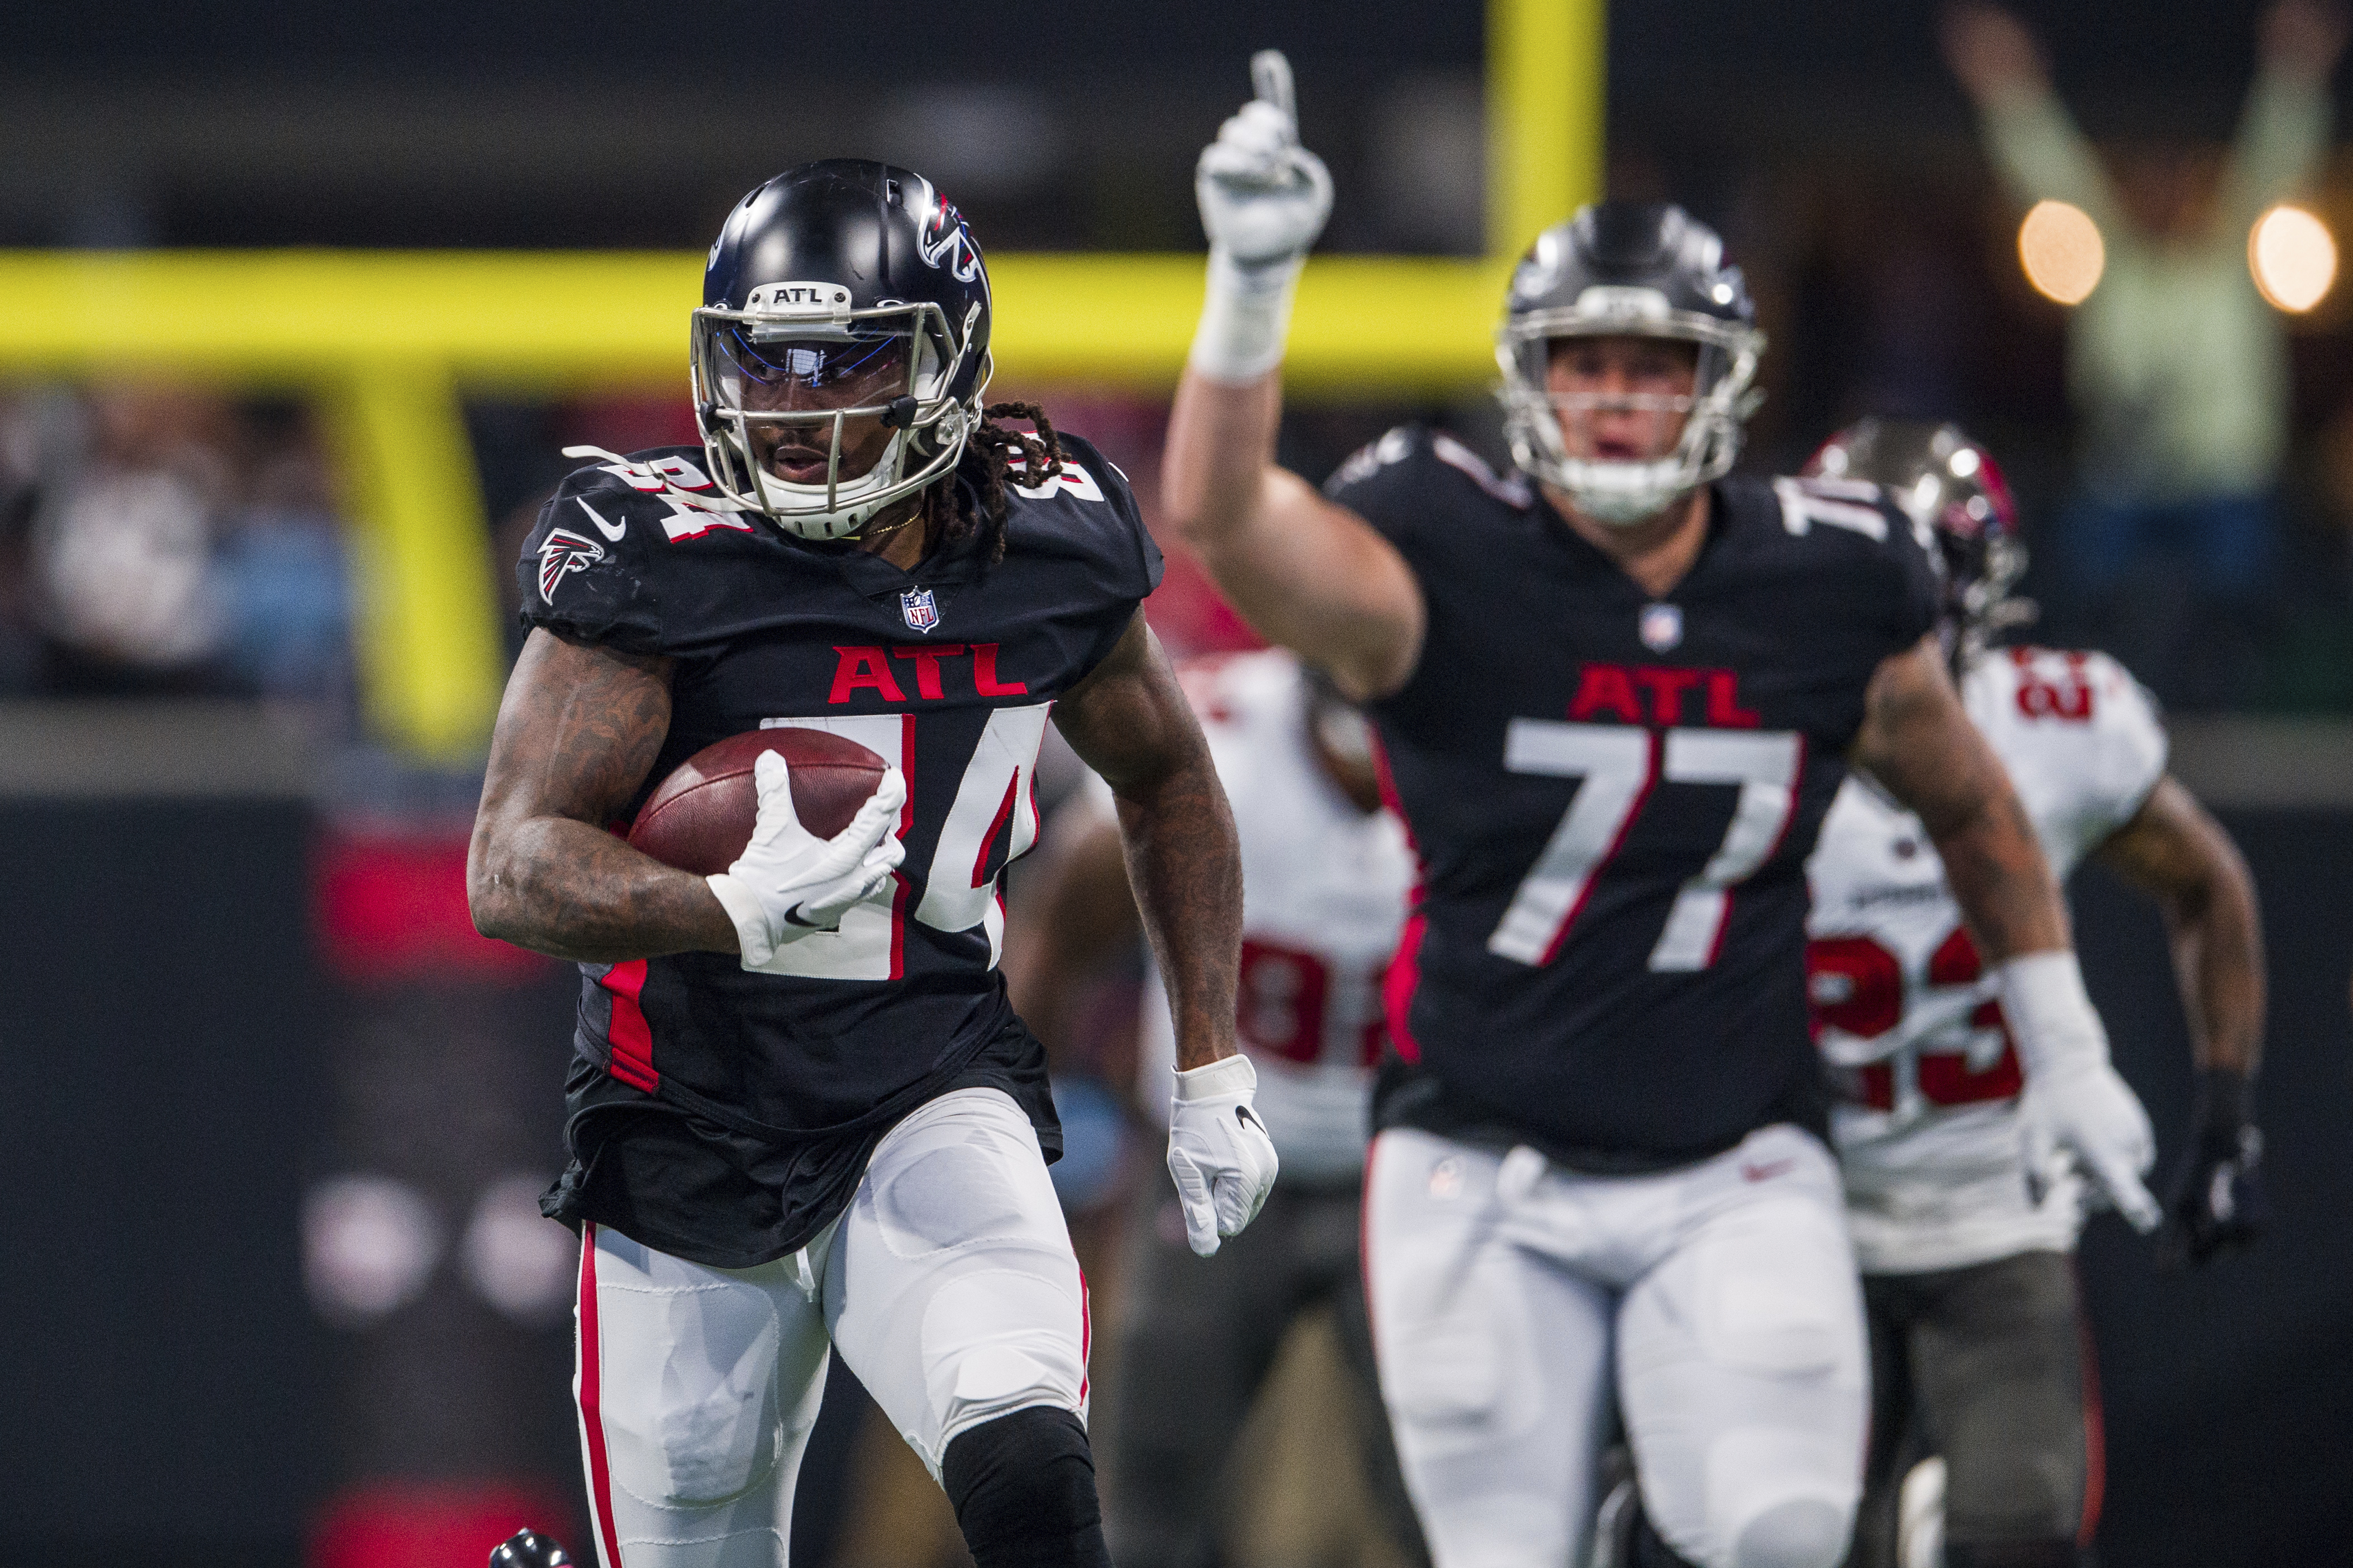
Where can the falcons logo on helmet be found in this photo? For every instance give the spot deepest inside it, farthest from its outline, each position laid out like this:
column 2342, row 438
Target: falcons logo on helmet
column 947, row 242
column 565, row 551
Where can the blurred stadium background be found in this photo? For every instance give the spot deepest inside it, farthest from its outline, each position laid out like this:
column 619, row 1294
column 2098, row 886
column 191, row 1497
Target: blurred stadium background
column 296, row 308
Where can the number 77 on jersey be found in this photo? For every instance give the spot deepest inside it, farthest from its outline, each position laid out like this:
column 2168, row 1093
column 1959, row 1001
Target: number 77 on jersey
column 1620, row 767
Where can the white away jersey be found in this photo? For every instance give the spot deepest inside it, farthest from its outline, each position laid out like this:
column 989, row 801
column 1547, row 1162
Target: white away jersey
column 1324, row 893
column 1926, row 1121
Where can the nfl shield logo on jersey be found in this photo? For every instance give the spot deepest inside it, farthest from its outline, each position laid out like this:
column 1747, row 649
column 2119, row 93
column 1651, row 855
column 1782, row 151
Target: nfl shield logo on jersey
column 1661, row 626
column 921, row 614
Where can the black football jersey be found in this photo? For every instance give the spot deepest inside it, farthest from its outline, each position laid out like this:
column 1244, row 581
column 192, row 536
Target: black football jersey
column 724, row 1115
column 1613, row 797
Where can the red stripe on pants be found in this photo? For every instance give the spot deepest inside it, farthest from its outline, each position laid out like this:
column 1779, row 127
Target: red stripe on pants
column 592, row 1420
column 1086, row 1332
column 2095, row 1436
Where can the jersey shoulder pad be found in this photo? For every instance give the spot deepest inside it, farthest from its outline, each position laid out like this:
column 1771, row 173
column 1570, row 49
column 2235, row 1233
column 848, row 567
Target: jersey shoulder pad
column 1375, row 460
column 2072, row 722
column 1511, row 489
column 651, row 472
column 1854, row 529
column 587, row 568
column 1086, row 509
column 1414, row 474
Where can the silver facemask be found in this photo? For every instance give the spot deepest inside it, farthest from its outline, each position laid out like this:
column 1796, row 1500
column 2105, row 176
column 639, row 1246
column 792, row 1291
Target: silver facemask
column 1620, row 494
column 807, row 335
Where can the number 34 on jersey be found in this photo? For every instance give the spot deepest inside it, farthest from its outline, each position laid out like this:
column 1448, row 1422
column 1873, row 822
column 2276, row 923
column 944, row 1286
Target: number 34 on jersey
column 991, row 821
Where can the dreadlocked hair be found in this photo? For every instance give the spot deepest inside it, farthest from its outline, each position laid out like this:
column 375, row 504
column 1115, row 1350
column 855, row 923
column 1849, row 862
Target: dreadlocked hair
column 949, row 515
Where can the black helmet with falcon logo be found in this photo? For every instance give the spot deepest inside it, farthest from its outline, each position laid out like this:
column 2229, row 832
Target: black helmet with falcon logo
column 1629, row 269
column 842, row 299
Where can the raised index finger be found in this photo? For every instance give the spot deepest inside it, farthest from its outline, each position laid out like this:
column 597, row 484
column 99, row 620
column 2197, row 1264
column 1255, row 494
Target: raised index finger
column 1271, row 79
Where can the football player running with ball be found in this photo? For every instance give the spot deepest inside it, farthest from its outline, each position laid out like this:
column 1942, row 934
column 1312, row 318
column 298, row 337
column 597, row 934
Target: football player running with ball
column 1616, row 690
column 1963, row 1227
column 803, row 1117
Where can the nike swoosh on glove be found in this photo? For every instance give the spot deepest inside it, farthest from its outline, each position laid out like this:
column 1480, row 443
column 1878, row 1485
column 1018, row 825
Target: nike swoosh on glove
column 1218, row 1154
column 789, row 883
column 2074, row 1105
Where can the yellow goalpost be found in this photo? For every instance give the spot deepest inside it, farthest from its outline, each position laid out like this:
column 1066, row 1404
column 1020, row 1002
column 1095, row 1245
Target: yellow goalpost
column 389, row 342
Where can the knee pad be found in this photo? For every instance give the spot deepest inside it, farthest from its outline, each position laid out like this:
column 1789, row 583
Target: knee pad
column 690, row 1430
column 1779, row 1498
column 1803, row 1532
column 1024, row 1490
column 998, row 1342
column 1648, row 1551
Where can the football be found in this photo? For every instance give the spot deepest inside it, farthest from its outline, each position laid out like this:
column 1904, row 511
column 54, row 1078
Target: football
column 701, row 815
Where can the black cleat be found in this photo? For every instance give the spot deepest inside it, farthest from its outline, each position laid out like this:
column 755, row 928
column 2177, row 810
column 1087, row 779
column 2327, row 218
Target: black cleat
column 530, row 1549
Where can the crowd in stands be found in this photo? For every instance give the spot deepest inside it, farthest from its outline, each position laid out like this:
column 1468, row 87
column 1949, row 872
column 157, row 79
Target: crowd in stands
column 159, row 540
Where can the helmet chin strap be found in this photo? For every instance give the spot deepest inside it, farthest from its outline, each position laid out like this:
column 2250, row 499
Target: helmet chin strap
column 888, row 479
column 1626, row 494
column 1613, row 494
column 782, row 498
column 1622, row 495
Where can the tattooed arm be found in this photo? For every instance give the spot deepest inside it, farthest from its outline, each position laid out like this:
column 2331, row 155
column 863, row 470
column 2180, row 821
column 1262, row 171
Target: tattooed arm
column 1128, row 719
column 578, row 729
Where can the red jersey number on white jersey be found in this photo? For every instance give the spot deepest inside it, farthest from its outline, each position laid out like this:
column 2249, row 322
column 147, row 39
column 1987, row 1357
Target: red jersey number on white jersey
column 1856, row 986
column 1285, row 1008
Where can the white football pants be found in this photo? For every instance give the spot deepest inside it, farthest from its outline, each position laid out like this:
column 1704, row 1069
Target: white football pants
column 1502, row 1289
column 948, row 1285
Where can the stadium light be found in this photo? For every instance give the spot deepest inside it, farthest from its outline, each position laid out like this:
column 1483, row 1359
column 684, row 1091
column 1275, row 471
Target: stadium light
column 2293, row 256
column 2059, row 247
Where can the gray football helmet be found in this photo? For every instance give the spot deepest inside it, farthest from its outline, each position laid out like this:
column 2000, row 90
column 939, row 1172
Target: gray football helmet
column 1629, row 268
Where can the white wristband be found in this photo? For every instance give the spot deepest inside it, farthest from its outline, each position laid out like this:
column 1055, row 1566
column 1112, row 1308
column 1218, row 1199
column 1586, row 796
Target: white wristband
column 1227, row 1075
column 751, row 921
column 2050, row 1014
column 1245, row 318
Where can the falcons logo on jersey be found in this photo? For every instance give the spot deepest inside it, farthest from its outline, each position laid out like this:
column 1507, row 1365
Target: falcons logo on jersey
column 562, row 552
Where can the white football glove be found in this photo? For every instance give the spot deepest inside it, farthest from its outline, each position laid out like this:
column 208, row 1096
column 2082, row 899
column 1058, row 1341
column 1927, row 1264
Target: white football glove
column 1263, row 200
column 2074, row 1105
column 1219, row 1152
column 789, row 883
column 1263, row 196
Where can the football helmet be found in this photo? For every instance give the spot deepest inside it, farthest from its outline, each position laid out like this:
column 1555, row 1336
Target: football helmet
column 1618, row 269
column 842, row 299
column 1951, row 484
